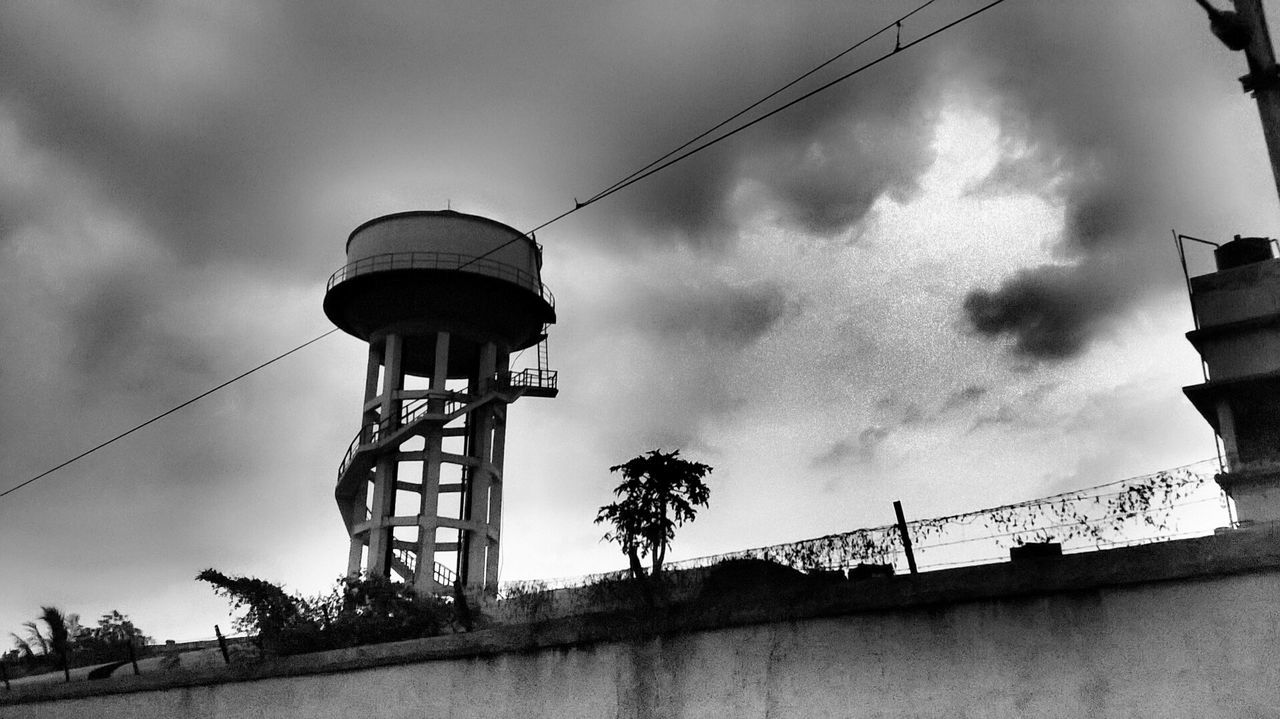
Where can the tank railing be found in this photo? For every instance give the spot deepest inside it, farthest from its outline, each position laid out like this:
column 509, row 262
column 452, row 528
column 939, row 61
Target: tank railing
column 533, row 378
column 410, row 412
column 442, row 261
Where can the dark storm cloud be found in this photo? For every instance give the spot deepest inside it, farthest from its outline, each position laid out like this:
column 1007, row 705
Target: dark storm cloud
column 1023, row 411
column 680, row 381
column 900, row 415
column 818, row 167
column 108, row 88
column 964, row 398
column 217, row 125
column 1049, row 311
column 121, row 344
column 717, row 313
column 1090, row 138
column 859, row 450
column 826, row 180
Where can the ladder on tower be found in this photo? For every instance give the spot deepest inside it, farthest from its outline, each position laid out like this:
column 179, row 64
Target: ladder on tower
column 544, row 364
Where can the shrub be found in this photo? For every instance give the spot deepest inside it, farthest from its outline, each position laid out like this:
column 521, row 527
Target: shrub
column 359, row 610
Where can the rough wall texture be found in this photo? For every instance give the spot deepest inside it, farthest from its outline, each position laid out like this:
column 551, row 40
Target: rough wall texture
column 1202, row 644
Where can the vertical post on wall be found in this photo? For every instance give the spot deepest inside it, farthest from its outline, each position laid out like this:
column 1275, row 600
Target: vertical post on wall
column 222, row 644
column 906, row 536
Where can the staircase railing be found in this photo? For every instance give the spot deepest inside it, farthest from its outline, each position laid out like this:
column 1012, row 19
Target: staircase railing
column 409, row 413
column 440, row 573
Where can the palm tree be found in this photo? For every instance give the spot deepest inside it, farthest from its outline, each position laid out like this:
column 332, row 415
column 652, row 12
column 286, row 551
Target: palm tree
column 25, row 655
column 36, row 638
column 59, row 636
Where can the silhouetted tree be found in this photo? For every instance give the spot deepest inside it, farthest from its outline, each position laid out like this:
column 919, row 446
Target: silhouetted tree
column 23, row 651
column 658, row 493
column 59, row 625
column 108, row 641
column 57, row 640
column 269, row 608
column 35, row 640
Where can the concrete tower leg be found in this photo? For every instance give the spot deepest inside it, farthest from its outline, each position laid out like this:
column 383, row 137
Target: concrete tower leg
column 480, row 481
column 385, row 471
column 496, row 455
column 428, row 514
column 369, row 422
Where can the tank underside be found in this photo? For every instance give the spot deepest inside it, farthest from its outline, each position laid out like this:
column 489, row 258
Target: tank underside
column 416, row 303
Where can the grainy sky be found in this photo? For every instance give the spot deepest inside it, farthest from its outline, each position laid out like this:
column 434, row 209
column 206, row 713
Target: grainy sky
column 949, row 281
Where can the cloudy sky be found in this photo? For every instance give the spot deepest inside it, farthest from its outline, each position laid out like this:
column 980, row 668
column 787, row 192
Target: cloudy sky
column 949, row 281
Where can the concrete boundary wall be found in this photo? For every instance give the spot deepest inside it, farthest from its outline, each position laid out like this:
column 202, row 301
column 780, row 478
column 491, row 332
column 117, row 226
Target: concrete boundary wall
column 1179, row 629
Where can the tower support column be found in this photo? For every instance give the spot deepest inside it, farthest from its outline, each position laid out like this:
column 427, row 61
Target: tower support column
column 433, row 440
column 481, row 536
column 386, row 468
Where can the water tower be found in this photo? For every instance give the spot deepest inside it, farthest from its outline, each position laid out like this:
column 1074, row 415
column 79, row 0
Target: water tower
column 443, row 299
column 1237, row 315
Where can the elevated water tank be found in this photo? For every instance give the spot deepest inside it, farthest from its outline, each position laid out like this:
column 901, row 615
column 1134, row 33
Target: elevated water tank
column 415, row 273
column 445, row 297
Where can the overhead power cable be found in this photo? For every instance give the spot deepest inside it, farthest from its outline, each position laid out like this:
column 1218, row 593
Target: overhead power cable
column 166, row 413
column 896, row 23
column 899, row 47
column 676, row 155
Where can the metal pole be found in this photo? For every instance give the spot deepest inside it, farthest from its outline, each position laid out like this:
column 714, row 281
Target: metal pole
column 1263, row 79
column 906, row 537
column 133, row 658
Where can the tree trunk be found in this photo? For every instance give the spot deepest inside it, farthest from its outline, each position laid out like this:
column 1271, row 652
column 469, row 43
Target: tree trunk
column 637, row 569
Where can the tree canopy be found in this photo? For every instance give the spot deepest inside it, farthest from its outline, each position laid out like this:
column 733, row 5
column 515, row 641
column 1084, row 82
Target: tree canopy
column 658, row 493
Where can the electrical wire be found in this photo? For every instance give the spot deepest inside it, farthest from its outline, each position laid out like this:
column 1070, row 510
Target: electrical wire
column 896, row 23
column 821, row 88
column 166, row 413
column 676, row 156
